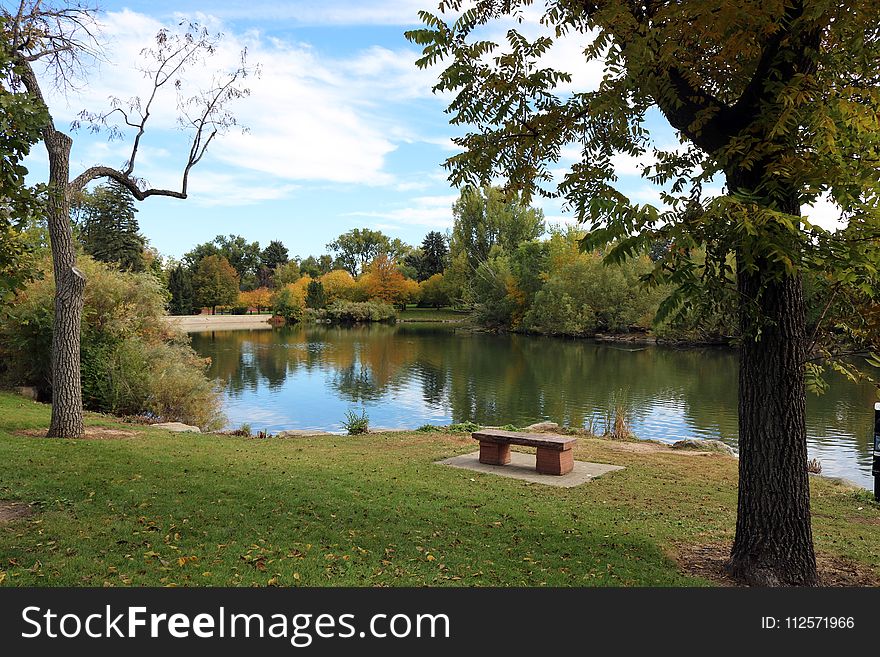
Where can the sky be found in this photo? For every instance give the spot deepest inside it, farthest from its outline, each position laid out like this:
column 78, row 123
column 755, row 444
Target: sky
column 343, row 129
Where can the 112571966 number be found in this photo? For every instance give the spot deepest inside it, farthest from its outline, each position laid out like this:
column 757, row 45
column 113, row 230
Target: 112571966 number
column 819, row 622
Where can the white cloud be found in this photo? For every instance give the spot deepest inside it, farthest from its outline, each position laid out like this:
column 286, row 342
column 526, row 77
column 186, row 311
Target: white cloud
column 316, row 12
column 431, row 211
column 310, row 117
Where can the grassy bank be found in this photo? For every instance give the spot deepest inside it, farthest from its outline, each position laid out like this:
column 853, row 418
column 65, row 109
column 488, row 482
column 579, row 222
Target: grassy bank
column 416, row 314
column 153, row 508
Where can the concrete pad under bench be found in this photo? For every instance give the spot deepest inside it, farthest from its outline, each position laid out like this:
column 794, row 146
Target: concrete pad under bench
column 522, row 466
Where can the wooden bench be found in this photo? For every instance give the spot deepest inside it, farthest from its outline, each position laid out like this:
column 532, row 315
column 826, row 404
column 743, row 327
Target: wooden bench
column 554, row 452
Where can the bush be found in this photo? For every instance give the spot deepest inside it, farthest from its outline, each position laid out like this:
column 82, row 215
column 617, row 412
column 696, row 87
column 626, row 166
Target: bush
column 356, row 424
column 289, row 304
column 361, row 311
column 132, row 363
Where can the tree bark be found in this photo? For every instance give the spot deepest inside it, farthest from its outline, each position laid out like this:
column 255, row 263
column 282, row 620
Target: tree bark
column 67, row 409
column 773, row 545
column 774, row 540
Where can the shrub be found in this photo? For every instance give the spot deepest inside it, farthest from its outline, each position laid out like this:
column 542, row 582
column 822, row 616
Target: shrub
column 132, row 363
column 463, row 427
column 360, row 311
column 356, row 424
column 289, row 304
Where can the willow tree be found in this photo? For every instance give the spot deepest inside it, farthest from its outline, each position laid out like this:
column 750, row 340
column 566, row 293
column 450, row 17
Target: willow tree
column 62, row 37
column 776, row 98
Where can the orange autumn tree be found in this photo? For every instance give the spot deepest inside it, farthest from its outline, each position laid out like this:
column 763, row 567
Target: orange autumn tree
column 383, row 280
column 259, row 299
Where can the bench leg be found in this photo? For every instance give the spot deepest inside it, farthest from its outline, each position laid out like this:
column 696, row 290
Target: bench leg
column 554, row 461
column 494, row 453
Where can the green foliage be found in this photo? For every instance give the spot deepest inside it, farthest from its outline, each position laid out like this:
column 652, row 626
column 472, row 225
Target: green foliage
column 108, row 229
column 274, row 255
column 243, row 256
column 131, row 362
column 286, row 274
column 582, row 295
column 315, row 297
column 316, row 267
column 21, row 118
column 215, row 282
column 434, row 254
column 356, row 424
column 286, row 304
column 463, row 427
column 490, row 293
column 485, row 217
column 346, row 312
column 181, row 290
column 435, row 292
column 359, row 247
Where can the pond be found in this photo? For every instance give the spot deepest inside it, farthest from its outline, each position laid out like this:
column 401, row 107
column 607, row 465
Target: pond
column 408, row 375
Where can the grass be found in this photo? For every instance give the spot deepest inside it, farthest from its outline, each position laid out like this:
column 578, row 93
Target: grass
column 184, row 509
column 416, row 314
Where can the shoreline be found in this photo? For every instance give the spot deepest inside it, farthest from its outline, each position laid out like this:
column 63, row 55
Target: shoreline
column 195, row 323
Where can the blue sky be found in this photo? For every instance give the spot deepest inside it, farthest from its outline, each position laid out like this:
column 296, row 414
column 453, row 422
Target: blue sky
column 344, row 129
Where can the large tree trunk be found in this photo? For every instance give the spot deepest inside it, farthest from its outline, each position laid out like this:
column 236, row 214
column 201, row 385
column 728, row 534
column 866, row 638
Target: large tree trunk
column 67, row 409
column 774, row 539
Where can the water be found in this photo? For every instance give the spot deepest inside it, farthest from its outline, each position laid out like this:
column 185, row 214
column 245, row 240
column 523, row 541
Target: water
column 408, row 375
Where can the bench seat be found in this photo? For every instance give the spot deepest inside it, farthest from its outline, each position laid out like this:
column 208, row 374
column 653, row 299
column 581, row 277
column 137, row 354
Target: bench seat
column 554, row 455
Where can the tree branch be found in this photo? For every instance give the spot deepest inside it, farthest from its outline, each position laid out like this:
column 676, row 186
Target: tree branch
column 93, row 173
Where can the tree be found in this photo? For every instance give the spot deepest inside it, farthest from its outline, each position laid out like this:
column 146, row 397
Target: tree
column 358, row 247
column 260, row 298
column 485, row 217
column 434, row 254
column 777, row 98
column 21, row 118
column 434, row 292
column 244, row 256
column 383, row 281
column 285, row 274
column 181, row 290
column 215, row 283
column 109, row 230
column 315, row 297
column 338, row 284
column 61, row 36
column 274, row 255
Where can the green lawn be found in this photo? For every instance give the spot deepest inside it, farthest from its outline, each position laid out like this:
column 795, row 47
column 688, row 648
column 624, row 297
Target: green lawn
column 416, row 314
column 161, row 508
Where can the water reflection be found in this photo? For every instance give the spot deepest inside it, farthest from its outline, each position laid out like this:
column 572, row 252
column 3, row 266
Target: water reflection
column 410, row 374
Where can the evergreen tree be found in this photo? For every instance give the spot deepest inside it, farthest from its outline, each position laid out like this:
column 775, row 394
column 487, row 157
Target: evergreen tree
column 181, row 289
column 108, row 228
column 273, row 255
column 315, row 296
column 434, row 254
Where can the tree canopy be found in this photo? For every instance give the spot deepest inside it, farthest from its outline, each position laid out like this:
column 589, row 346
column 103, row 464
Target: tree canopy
column 215, row 282
column 21, row 117
column 358, row 247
